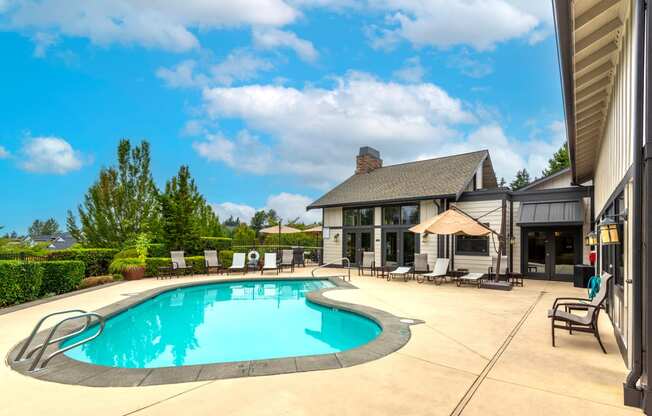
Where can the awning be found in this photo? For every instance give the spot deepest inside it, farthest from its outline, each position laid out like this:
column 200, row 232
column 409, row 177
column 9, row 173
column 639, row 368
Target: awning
column 453, row 222
column 551, row 213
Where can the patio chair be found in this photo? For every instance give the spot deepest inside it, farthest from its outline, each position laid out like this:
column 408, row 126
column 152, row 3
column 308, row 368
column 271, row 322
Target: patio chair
column 287, row 260
column 438, row 273
column 581, row 323
column 238, row 263
column 504, row 270
column 368, row 262
column 270, row 263
column 403, row 271
column 212, row 262
column 473, row 279
column 177, row 265
column 299, row 257
column 421, row 264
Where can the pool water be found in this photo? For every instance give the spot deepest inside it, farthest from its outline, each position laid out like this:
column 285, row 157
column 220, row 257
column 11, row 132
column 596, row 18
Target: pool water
column 225, row 322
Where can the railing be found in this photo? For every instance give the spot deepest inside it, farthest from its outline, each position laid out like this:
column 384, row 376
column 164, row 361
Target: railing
column 49, row 340
column 22, row 257
column 333, row 263
column 312, row 253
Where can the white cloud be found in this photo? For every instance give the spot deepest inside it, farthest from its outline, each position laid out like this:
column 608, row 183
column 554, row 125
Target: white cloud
column 50, row 155
column 245, row 152
column 42, row 42
column 317, row 131
column 166, row 24
column 4, row 153
column 470, row 66
column 412, row 71
column 288, row 206
column 271, row 38
column 182, row 75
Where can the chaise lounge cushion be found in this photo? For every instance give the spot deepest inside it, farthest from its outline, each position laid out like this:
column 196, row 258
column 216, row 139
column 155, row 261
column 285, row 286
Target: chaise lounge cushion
column 571, row 317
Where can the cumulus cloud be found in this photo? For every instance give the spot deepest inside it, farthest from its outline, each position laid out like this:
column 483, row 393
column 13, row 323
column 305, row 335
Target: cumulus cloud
column 182, row 75
column 412, row 71
column 272, row 38
column 166, row 24
column 50, row 155
column 470, row 66
column 245, row 152
column 288, row 206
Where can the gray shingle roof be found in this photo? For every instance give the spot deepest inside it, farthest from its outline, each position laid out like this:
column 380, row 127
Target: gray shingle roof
column 415, row 180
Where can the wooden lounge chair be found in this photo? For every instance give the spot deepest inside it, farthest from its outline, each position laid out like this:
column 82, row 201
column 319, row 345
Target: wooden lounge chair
column 177, row 265
column 212, row 262
column 238, row 264
column 287, row 260
column 562, row 312
column 438, row 273
column 368, row 262
column 403, row 272
column 270, row 263
column 421, row 264
column 474, row 279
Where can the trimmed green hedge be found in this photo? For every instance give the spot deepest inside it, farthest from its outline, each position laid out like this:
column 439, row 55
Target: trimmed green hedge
column 152, row 264
column 61, row 276
column 19, row 281
column 96, row 260
column 226, row 258
column 216, row 243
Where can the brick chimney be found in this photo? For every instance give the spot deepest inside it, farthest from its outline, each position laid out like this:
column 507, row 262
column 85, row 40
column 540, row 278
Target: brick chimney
column 367, row 160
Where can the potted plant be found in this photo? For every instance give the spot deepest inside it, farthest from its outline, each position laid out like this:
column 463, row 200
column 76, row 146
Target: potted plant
column 132, row 268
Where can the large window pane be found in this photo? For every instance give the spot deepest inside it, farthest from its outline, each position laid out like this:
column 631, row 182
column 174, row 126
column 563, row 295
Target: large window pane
column 536, row 255
column 409, row 214
column 391, row 247
column 366, row 216
column 350, row 217
column 408, row 247
column 564, row 252
column 471, row 245
column 392, row 215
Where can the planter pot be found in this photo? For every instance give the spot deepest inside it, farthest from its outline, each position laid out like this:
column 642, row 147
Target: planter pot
column 134, row 273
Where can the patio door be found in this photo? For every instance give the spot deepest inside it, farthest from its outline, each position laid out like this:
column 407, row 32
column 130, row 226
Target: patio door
column 551, row 253
column 399, row 247
column 355, row 243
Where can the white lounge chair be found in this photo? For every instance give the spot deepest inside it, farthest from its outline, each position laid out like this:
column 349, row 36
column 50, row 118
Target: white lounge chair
column 368, row 262
column 438, row 274
column 212, row 262
column 421, row 263
column 238, row 263
column 270, row 263
column 402, row 271
column 473, row 279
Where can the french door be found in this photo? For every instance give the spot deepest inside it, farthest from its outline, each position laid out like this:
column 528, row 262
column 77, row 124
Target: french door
column 399, row 247
column 551, row 253
column 355, row 243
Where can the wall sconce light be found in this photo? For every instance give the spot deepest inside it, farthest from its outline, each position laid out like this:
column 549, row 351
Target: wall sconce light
column 591, row 239
column 337, row 236
column 608, row 229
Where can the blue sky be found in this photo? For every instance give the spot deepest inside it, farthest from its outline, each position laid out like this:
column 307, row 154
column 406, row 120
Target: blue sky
column 267, row 101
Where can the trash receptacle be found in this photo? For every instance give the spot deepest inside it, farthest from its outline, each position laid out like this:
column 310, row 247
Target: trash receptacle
column 581, row 274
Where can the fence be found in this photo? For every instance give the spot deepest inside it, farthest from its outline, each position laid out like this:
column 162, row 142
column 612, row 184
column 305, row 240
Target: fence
column 313, row 254
column 22, row 257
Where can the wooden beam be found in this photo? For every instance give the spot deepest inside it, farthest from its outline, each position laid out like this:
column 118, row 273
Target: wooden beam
column 594, row 12
column 588, row 121
column 591, row 101
column 592, row 89
column 600, row 33
column 597, row 108
column 601, row 53
column 605, row 68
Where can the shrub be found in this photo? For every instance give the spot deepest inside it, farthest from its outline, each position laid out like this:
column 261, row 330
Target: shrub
column 95, row 281
column 119, row 265
column 128, row 253
column 61, row 276
column 19, row 281
column 152, row 264
column 216, row 243
column 96, row 260
column 226, row 258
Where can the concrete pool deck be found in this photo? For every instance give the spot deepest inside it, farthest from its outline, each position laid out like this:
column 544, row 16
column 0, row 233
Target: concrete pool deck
column 480, row 352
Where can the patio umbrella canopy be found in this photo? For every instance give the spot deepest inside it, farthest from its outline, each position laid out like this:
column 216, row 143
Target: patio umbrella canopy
column 315, row 229
column 283, row 229
column 453, row 222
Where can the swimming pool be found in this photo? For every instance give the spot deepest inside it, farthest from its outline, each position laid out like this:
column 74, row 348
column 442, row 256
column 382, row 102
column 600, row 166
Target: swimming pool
column 225, row 322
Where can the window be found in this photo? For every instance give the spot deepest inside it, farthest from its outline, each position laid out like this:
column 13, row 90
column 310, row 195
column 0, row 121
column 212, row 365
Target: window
column 612, row 255
column 468, row 245
column 401, row 215
column 354, row 217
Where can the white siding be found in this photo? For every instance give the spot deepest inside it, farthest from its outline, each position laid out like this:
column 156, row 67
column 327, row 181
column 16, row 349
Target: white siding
column 428, row 209
column 517, row 239
column 333, row 244
column 476, row 209
column 378, row 220
column 563, row 180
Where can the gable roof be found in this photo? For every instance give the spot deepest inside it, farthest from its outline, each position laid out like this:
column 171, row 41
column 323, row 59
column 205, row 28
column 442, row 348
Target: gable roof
column 423, row 179
column 538, row 182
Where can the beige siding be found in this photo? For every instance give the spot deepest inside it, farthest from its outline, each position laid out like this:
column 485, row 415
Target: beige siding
column 378, row 220
column 517, row 239
column 477, row 209
column 562, row 181
column 615, row 153
column 428, row 209
column 333, row 245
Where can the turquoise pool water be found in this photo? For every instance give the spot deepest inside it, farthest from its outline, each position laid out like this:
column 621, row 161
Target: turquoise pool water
column 225, row 322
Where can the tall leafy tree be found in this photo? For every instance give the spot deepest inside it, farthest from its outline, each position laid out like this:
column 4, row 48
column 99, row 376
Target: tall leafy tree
column 121, row 204
column 243, row 236
column 47, row 227
column 258, row 221
column 209, row 223
column 522, row 179
column 560, row 160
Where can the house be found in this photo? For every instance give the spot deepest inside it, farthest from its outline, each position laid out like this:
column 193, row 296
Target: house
column 59, row 241
column 603, row 50
column 374, row 208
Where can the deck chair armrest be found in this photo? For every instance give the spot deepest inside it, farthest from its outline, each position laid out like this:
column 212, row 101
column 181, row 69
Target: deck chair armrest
column 566, row 299
column 575, row 304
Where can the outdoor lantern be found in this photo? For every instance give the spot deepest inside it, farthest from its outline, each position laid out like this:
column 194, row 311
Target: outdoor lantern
column 609, row 232
column 591, row 239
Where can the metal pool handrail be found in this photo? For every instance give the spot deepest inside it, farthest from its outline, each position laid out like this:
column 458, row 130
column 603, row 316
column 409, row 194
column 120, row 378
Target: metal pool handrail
column 37, row 327
column 343, row 259
column 49, row 340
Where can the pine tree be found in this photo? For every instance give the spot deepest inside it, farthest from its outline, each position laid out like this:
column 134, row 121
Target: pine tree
column 47, row 227
column 121, row 204
column 559, row 161
column 502, row 183
column 181, row 208
column 522, row 179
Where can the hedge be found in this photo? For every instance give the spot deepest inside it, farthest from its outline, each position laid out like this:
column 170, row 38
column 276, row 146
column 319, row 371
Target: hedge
column 153, row 250
column 216, row 243
column 61, row 276
column 152, row 264
column 19, row 281
column 96, row 260
column 226, row 258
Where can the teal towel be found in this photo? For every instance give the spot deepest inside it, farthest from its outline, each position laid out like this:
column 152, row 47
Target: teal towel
column 594, row 286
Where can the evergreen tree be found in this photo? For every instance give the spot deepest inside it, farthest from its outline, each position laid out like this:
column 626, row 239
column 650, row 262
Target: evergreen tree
column 560, row 160
column 209, row 223
column 258, row 221
column 502, row 183
column 47, row 227
column 522, row 179
column 272, row 217
column 243, row 236
column 121, row 204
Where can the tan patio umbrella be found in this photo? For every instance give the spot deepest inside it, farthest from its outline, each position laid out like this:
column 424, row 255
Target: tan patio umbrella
column 452, row 222
column 314, row 229
column 279, row 229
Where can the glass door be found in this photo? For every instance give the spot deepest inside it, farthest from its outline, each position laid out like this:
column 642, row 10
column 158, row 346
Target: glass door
column 350, row 240
column 399, row 247
column 390, row 247
column 552, row 253
column 537, row 253
column 409, row 248
column 357, row 242
column 565, row 254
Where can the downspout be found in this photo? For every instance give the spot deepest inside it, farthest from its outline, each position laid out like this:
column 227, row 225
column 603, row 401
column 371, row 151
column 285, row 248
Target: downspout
column 634, row 396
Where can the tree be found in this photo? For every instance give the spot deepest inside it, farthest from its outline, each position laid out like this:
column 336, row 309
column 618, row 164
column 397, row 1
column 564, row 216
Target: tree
column 231, row 222
column 559, row 161
column 502, row 183
column 522, row 179
column 258, row 221
column 121, row 204
column 272, row 217
column 209, row 223
column 243, row 236
column 47, row 227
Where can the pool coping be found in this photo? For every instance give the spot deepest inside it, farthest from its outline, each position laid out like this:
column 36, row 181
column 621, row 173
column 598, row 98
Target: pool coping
column 63, row 369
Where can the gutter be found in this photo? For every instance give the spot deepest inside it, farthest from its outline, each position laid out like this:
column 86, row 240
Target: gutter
column 635, row 394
